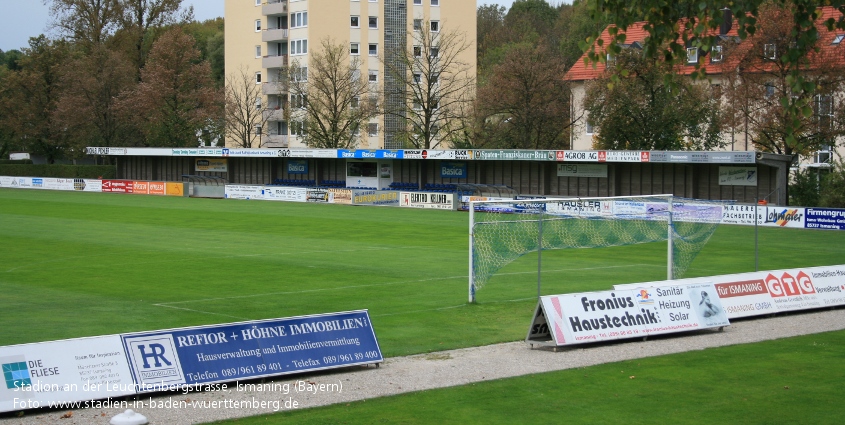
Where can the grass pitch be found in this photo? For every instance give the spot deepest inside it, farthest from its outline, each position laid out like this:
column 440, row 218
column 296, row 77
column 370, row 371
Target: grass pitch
column 84, row 264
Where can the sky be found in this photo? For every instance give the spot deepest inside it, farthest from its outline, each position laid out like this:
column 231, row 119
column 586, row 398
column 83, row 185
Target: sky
column 22, row 19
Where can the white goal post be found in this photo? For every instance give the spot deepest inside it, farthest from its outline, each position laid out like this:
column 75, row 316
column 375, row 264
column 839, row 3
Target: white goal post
column 500, row 231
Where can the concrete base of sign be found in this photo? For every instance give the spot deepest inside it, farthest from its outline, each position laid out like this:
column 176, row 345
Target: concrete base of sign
column 129, row 417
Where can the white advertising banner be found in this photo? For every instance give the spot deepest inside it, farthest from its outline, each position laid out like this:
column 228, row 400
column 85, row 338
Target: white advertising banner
column 281, row 193
column 781, row 216
column 580, row 208
column 74, row 370
column 767, row 292
column 234, row 191
column 57, row 184
column 6, row 181
column 738, row 176
column 442, row 201
column 608, row 315
column 88, row 185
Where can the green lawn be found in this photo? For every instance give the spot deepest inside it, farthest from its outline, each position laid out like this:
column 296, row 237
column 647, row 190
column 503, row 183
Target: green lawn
column 83, row 264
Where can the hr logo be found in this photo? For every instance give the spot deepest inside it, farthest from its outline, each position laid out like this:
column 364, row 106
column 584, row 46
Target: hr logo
column 155, row 359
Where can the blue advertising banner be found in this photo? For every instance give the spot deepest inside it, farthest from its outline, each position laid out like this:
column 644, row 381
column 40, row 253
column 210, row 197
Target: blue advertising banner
column 166, row 359
column 453, row 170
column 370, row 154
column 824, row 218
column 297, row 166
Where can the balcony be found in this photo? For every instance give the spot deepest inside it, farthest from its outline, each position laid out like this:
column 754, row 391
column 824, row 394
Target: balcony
column 275, row 141
column 280, row 61
column 274, row 114
column 274, row 7
column 273, row 87
column 274, row 34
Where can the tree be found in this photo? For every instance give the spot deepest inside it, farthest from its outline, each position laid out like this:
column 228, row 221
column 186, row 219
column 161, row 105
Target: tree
column 330, row 99
column 761, row 100
column 525, row 103
column 139, row 17
column 246, row 118
column 675, row 25
column 28, row 98
column 85, row 22
column 490, row 19
column 176, row 99
column 433, row 86
column 643, row 105
column 87, row 106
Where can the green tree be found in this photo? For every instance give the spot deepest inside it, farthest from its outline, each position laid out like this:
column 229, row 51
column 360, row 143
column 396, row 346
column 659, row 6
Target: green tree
column 176, row 100
column 641, row 105
column 525, row 103
column 833, row 187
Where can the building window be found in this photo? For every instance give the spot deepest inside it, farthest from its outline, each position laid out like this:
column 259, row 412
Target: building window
column 353, row 48
column 299, row 47
column 417, row 77
column 417, row 24
column 353, row 20
column 373, row 76
column 770, row 89
column 435, row 2
column 297, row 128
column 258, row 51
column 300, row 74
column 435, row 26
column 297, row 101
column 258, row 77
column 356, row 74
column 417, row 1
column 258, row 2
column 823, row 105
column 716, row 54
column 590, row 129
column 299, row 19
column 372, row 129
column 770, row 51
column 838, row 38
column 373, row 22
column 692, row 55
column 257, row 25
column 434, row 52
column 373, row 49
column 257, row 103
column 354, row 102
column 258, row 129
column 417, row 51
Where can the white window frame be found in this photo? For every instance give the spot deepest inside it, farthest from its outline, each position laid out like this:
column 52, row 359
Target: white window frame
column 354, row 49
column 418, row 24
column 258, row 77
column 770, row 51
column 434, row 26
column 258, row 25
column 370, row 22
column 418, row 2
column 716, row 54
column 258, row 51
column 692, row 55
column 435, row 2
column 299, row 20
column 372, row 76
column 372, row 49
column 356, row 23
column 372, row 129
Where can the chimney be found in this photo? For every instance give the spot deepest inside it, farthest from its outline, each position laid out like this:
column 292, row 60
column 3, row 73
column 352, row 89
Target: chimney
column 727, row 21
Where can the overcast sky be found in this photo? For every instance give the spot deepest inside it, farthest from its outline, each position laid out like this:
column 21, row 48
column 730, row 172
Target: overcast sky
column 22, row 19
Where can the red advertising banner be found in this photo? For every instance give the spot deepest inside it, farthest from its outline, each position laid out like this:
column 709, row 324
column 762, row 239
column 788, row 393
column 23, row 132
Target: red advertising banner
column 118, row 186
column 140, row 188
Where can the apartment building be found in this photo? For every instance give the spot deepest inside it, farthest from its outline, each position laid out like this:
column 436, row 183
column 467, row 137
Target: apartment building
column 265, row 36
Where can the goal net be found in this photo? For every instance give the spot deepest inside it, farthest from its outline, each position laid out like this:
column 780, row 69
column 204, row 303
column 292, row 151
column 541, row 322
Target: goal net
column 502, row 231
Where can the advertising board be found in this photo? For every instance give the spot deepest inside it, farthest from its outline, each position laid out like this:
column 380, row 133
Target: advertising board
column 441, row 201
column 582, row 170
column 767, row 292
column 453, row 170
column 375, row 197
column 48, row 373
column 254, row 349
column 824, row 218
column 738, row 176
column 211, row 164
column 297, row 166
column 608, row 315
column 235, row 191
column 281, row 193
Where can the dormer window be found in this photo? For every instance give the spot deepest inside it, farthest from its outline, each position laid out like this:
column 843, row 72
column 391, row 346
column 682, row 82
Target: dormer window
column 770, row 51
column 838, row 38
column 692, row 55
column 716, row 54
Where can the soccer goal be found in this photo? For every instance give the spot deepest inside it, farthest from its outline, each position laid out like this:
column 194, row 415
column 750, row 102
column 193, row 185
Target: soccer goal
column 503, row 230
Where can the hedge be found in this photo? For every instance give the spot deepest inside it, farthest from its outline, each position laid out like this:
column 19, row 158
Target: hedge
column 58, row 170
